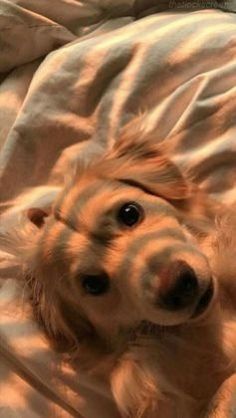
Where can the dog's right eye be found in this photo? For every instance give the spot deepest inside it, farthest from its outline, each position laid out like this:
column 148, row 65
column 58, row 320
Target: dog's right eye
column 95, row 285
column 130, row 214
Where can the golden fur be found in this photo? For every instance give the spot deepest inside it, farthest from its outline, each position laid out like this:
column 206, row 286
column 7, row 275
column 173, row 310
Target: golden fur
column 158, row 362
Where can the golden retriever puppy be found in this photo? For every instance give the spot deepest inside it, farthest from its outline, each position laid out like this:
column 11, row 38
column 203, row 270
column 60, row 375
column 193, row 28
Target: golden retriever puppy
column 131, row 277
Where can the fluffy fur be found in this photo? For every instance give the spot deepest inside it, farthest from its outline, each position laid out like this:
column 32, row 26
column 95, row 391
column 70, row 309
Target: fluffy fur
column 156, row 361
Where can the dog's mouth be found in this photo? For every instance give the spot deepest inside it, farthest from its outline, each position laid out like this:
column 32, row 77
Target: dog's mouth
column 204, row 302
column 148, row 328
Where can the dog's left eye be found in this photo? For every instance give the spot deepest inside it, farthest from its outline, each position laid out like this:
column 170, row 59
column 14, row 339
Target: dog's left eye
column 95, row 285
column 130, row 214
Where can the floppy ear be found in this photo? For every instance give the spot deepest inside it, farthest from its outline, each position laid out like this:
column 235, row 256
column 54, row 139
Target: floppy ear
column 139, row 158
column 37, row 216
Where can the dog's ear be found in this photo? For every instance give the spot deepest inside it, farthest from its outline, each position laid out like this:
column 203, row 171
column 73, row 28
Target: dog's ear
column 38, row 204
column 139, row 158
column 37, row 216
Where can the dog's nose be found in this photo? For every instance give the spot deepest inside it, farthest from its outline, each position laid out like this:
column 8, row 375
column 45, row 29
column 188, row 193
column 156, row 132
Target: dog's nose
column 182, row 288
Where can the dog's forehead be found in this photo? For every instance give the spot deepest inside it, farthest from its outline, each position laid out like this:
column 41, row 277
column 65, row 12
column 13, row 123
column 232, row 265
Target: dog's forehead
column 91, row 198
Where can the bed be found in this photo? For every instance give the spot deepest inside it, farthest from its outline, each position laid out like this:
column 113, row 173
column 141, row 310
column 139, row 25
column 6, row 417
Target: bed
column 72, row 73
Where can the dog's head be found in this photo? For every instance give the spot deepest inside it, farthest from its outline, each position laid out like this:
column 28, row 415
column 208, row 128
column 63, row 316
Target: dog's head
column 116, row 248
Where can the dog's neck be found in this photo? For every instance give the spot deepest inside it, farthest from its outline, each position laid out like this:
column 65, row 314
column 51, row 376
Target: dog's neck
column 186, row 364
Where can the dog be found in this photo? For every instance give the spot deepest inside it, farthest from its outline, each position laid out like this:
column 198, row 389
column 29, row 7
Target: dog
column 131, row 274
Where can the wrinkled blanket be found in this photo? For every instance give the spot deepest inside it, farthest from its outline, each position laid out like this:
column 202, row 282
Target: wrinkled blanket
column 71, row 74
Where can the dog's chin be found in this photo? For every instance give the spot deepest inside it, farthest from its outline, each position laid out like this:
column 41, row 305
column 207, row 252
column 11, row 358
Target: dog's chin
column 200, row 312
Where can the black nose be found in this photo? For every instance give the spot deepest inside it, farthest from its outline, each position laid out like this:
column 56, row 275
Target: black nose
column 183, row 290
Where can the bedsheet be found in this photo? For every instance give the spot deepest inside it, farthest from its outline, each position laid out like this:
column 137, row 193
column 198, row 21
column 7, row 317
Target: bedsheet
column 72, row 73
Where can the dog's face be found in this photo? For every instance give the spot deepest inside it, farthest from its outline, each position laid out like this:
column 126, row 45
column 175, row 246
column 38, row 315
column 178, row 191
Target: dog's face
column 115, row 250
